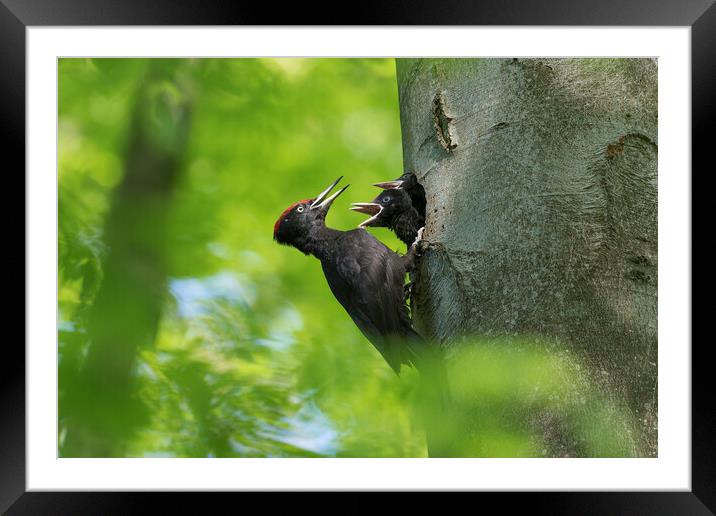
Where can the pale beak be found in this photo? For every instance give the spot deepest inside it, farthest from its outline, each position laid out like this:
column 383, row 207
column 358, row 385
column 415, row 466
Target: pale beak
column 389, row 185
column 322, row 202
column 369, row 208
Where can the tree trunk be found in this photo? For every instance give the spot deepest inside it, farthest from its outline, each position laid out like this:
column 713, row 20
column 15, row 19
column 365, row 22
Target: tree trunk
column 541, row 181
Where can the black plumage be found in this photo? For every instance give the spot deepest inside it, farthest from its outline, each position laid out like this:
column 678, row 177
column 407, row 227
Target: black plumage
column 367, row 280
column 392, row 209
column 408, row 182
column 364, row 275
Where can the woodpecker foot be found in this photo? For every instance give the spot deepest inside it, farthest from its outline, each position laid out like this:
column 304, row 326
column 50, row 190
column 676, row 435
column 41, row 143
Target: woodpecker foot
column 414, row 251
column 420, row 236
column 419, row 243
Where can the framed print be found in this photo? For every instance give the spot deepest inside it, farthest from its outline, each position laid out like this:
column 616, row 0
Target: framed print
column 500, row 301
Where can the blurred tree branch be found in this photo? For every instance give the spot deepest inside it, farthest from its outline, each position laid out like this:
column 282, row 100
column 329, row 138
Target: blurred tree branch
column 102, row 408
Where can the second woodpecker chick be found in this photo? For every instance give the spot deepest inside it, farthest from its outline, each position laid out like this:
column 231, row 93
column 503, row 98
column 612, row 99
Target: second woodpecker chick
column 366, row 278
column 392, row 209
column 409, row 183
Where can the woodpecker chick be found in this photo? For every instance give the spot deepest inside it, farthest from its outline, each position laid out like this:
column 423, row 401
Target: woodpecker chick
column 364, row 275
column 392, row 209
column 409, row 183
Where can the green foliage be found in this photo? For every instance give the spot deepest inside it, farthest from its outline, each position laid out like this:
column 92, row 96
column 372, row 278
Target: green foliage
column 524, row 397
column 251, row 356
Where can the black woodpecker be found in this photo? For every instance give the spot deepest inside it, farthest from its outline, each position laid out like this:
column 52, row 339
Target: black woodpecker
column 366, row 278
column 392, row 209
column 409, row 183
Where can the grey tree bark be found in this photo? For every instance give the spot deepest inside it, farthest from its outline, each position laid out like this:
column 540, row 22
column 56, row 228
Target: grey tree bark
column 541, row 181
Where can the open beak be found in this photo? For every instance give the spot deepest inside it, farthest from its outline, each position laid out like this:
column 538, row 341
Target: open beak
column 324, row 202
column 369, row 208
column 389, row 185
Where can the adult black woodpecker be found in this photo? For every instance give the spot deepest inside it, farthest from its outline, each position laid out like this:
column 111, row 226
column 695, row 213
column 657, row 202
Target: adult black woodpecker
column 364, row 275
column 392, row 209
column 409, row 183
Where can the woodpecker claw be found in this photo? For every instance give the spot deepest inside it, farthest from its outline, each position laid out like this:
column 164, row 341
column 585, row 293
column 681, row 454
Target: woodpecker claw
column 419, row 244
column 419, row 238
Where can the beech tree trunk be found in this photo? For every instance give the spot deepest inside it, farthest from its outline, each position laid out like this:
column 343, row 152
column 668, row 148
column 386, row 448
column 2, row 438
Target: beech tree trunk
column 541, row 181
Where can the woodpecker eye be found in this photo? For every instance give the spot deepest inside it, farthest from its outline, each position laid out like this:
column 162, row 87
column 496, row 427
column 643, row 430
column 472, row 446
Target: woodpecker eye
column 299, row 209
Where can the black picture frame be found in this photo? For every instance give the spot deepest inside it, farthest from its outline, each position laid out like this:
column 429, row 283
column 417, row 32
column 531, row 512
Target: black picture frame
column 17, row 15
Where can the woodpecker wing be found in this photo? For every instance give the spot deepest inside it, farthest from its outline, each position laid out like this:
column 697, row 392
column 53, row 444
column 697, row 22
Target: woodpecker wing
column 367, row 279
